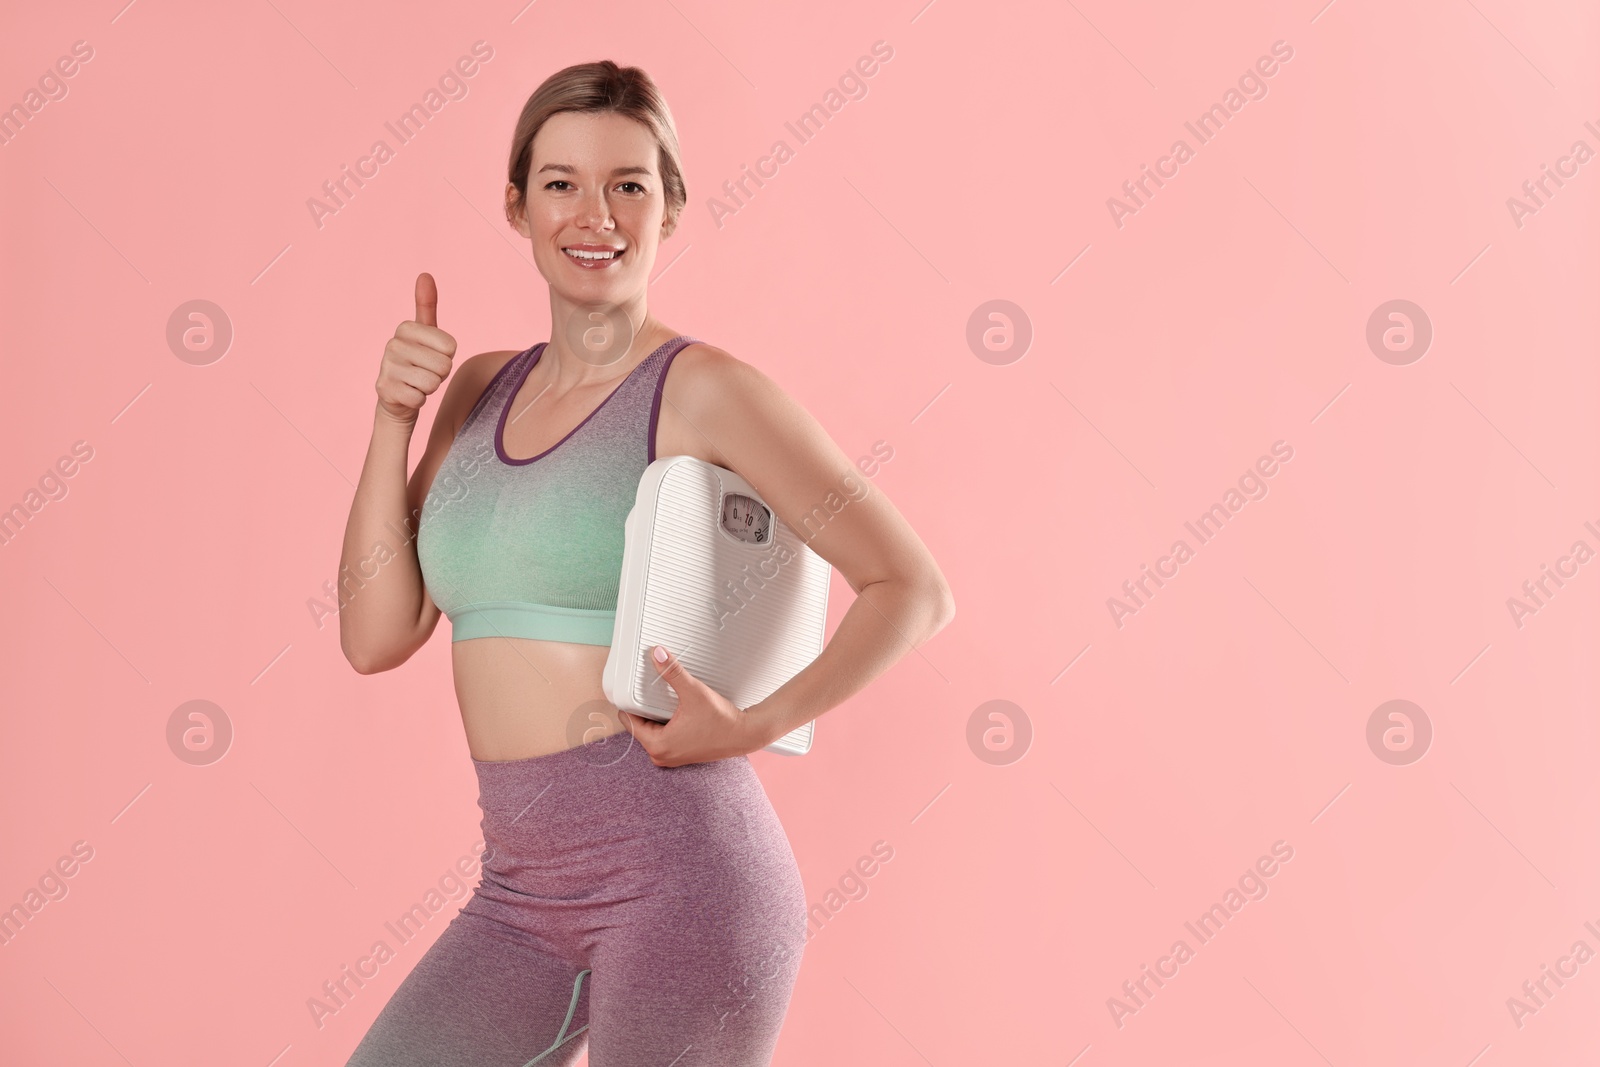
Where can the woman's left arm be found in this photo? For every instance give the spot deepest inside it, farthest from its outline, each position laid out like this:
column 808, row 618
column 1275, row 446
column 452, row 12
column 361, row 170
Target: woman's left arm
column 902, row 598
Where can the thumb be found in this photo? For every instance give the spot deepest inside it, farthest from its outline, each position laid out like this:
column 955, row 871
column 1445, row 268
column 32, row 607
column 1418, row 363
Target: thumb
column 427, row 300
column 670, row 668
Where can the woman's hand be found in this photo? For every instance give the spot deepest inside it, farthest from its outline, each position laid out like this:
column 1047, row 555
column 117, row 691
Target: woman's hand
column 705, row 726
column 417, row 358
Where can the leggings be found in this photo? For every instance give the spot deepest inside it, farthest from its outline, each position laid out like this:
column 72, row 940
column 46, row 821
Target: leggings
column 655, row 914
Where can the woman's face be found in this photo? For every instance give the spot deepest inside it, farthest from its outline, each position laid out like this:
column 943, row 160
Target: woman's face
column 593, row 184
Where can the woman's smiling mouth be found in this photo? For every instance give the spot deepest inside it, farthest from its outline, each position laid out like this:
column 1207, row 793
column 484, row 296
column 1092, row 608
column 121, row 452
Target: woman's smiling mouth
column 593, row 257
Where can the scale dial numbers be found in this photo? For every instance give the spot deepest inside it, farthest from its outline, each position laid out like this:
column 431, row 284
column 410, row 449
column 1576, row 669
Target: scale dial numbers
column 747, row 519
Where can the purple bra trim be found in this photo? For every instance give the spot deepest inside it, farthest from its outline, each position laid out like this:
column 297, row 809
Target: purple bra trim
column 521, row 378
column 488, row 390
column 655, row 401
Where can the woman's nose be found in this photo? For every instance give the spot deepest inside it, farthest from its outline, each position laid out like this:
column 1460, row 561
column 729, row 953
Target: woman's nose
column 593, row 211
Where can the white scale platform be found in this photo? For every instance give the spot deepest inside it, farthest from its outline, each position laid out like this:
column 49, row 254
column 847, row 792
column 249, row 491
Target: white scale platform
column 712, row 573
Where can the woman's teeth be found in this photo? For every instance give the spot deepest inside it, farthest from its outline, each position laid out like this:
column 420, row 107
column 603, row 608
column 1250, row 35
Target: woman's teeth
column 578, row 254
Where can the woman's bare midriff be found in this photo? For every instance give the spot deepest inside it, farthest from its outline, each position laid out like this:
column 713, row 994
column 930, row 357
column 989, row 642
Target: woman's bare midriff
column 520, row 697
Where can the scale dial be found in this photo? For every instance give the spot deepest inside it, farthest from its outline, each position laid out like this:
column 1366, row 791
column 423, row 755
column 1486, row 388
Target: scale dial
column 747, row 518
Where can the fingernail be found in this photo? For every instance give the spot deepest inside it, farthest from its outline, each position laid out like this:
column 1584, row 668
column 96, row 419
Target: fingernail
column 660, row 654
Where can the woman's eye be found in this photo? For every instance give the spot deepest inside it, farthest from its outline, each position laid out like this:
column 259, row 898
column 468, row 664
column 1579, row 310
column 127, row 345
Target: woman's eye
column 562, row 181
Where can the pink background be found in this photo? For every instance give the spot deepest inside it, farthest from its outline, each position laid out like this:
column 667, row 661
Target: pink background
column 1228, row 313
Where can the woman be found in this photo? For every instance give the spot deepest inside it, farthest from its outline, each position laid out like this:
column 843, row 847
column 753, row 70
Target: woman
column 637, row 888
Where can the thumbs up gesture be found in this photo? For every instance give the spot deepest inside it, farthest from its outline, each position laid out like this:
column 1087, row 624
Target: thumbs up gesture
column 417, row 358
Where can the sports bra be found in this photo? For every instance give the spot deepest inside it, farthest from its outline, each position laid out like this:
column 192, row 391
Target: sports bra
column 533, row 547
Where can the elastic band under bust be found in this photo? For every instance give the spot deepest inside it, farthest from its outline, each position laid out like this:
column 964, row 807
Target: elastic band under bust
column 543, row 622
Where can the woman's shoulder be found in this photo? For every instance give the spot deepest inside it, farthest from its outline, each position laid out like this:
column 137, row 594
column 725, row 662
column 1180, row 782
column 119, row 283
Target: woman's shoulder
column 713, row 388
column 475, row 374
column 469, row 381
column 707, row 369
column 479, row 369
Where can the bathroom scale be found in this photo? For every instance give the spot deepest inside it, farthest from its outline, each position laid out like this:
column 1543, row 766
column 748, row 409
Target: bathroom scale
column 710, row 571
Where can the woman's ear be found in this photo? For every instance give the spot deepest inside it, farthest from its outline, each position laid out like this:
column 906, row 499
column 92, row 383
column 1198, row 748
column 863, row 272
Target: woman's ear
column 516, row 216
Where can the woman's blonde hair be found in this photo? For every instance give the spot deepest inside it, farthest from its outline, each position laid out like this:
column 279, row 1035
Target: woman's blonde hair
column 593, row 88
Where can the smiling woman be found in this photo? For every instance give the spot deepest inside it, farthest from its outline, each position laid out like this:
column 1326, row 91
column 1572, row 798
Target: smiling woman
column 603, row 826
column 643, row 197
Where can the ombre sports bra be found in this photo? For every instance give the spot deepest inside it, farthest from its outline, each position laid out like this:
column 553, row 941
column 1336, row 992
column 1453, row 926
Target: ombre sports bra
column 533, row 547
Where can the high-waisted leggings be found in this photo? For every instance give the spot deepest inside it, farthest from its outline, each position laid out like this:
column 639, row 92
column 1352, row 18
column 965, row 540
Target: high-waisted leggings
column 654, row 913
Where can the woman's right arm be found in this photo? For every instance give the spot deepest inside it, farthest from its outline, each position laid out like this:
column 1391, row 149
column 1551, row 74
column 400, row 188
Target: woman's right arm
column 387, row 613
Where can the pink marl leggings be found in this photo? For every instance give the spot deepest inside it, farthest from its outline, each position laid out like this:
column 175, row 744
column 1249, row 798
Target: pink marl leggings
column 655, row 913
